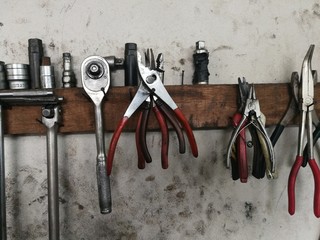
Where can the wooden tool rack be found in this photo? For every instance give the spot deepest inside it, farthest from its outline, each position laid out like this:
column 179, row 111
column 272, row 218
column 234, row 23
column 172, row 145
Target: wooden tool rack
column 205, row 106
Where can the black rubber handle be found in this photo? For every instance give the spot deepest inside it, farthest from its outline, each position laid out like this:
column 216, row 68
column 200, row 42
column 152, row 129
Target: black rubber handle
column 201, row 73
column 258, row 162
column 104, row 189
column 276, row 134
column 130, row 65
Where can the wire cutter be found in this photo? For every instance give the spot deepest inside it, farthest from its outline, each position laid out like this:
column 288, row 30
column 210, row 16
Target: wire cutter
column 253, row 116
column 150, row 86
column 306, row 104
column 162, row 112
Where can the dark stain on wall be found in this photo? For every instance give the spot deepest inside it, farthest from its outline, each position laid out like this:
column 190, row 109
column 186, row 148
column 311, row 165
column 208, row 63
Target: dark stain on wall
column 249, row 210
column 150, row 178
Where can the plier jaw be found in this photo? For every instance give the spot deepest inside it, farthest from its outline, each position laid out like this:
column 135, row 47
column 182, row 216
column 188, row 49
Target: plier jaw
column 152, row 81
column 307, row 82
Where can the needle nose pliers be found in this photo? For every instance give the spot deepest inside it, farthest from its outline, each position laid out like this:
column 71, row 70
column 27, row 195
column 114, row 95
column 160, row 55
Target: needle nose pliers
column 150, row 86
column 306, row 104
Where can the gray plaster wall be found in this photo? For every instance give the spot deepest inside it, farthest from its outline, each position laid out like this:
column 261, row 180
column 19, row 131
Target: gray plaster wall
column 195, row 198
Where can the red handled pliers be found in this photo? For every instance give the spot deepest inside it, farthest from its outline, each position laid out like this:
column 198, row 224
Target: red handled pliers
column 306, row 104
column 239, row 162
column 162, row 112
column 151, row 87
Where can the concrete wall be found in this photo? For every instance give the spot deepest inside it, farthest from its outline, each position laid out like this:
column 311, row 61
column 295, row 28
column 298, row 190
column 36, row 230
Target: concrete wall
column 195, row 198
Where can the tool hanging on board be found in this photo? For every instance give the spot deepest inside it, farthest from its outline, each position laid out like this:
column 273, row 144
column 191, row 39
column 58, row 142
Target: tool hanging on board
column 32, row 97
column 201, row 61
column 35, row 56
column 292, row 111
column 306, row 106
column 239, row 149
column 47, row 74
column 150, row 86
column 162, row 112
column 95, row 75
column 253, row 118
column 130, row 65
column 51, row 118
column 68, row 77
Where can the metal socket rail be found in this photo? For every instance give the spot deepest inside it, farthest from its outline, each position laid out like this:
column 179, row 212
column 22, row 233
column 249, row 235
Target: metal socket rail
column 51, row 119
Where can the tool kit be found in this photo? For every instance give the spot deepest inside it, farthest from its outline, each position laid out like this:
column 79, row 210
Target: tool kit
column 248, row 108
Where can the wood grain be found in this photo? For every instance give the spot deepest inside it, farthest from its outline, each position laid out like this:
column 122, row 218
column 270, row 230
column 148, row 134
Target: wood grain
column 205, row 106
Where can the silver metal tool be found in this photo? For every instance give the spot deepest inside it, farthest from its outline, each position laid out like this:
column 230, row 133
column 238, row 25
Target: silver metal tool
column 18, row 75
column 95, row 75
column 47, row 79
column 16, row 97
column 68, row 77
column 51, row 118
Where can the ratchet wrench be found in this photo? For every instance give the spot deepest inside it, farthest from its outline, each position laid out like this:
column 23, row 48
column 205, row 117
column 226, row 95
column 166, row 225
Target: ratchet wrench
column 95, row 75
column 51, row 118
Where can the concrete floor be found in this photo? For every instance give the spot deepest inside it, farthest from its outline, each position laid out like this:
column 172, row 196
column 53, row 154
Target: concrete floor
column 194, row 198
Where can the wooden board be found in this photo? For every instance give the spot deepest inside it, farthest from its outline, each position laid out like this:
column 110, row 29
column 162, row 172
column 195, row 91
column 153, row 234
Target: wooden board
column 205, row 106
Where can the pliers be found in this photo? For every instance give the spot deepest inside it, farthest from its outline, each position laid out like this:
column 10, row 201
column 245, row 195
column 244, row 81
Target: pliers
column 306, row 104
column 253, row 116
column 292, row 111
column 239, row 164
column 150, row 86
column 162, row 112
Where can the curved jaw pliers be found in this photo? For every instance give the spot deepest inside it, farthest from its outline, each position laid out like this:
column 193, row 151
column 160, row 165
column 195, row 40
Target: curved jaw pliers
column 252, row 115
column 150, row 86
column 306, row 104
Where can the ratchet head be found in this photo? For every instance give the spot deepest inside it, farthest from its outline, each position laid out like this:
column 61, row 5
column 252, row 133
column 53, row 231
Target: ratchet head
column 95, row 76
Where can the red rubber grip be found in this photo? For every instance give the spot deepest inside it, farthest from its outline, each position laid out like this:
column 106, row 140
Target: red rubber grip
column 188, row 130
column 113, row 143
column 165, row 137
column 141, row 160
column 316, row 175
column 291, row 184
column 241, row 149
